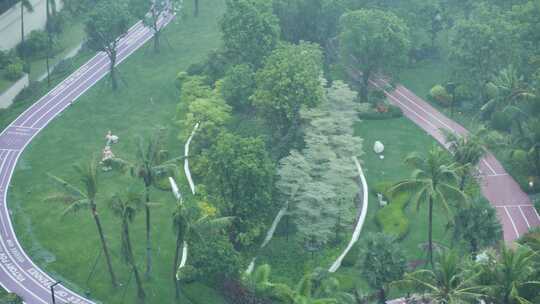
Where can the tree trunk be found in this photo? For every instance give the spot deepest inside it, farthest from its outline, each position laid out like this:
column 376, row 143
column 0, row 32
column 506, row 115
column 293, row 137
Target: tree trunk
column 48, row 27
column 112, row 57
column 104, row 246
column 196, row 4
column 175, row 266
column 156, row 41
column 382, row 296
column 430, row 232
column 463, row 181
column 148, row 239
column 140, row 290
column 537, row 159
column 364, row 90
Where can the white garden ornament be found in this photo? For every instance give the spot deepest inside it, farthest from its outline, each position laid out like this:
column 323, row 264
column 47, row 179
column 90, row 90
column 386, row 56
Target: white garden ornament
column 378, row 147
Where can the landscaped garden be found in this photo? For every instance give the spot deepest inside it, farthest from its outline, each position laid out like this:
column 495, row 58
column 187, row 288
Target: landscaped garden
column 274, row 123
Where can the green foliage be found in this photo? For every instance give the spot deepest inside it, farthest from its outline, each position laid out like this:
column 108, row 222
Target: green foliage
column 391, row 218
column 238, row 85
column 381, row 262
column 439, row 94
column 309, row 20
column 214, row 257
column 250, row 31
column 390, row 111
column 35, row 44
column 478, row 225
column 9, row 298
column 14, row 71
column 240, row 174
column 373, row 41
column 289, row 80
column 501, row 121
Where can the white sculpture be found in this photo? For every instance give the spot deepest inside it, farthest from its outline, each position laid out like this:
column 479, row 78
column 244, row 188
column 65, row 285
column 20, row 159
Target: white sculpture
column 111, row 139
column 378, row 147
column 382, row 202
column 107, row 155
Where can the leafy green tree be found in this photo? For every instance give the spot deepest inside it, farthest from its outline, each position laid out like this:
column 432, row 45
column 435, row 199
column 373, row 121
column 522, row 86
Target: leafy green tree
column 193, row 224
column 238, row 85
column 382, row 262
column 126, row 207
column 450, row 281
column 467, row 151
column 104, row 27
column 241, row 175
column 480, row 47
column 84, row 198
column 150, row 11
column 373, row 41
column 250, row 31
column 309, row 20
column 432, row 182
column 289, row 80
column 478, row 225
column 10, row 298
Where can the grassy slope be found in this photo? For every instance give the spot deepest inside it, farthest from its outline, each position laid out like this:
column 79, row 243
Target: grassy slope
column 70, row 245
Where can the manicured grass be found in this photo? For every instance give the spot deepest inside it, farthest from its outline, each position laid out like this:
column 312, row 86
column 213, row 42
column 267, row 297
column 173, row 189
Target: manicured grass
column 69, row 246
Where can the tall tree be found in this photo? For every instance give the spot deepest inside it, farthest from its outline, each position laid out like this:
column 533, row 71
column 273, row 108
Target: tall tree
column 450, row 281
column 480, row 47
column 382, row 262
column 151, row 12
column 373, row 41
column 105, row 26
column 84, row 198
column 289, row 80
column 241, row 175
column 125, row 207
column 432, row 182
column 477, row 225
column 250, row 31
column 25, row 5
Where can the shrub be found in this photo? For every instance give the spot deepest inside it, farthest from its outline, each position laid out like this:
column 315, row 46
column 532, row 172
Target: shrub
column 32, row 90
column 537, row 204
column 376, row 96
column 4, row 59
column 373, row 114
column 14, row 71
column 500, row 121
column 64, row 67
column 463, row 92
column 391, row 218
column 439, row 94
column 35, row 44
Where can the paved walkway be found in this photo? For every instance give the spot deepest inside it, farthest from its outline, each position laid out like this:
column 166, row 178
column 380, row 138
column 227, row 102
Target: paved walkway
column 514, row 208
column 18, row 273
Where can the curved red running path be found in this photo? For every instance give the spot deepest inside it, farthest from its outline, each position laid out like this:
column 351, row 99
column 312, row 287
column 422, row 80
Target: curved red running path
column 18, row 273
column 514, row 207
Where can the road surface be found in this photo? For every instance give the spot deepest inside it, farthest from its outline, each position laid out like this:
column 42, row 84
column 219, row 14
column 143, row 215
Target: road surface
column 514, row 208
column 18, row 273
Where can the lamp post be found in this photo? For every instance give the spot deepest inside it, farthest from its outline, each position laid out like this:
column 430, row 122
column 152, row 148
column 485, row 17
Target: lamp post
column 451, row 88
column 52, row 291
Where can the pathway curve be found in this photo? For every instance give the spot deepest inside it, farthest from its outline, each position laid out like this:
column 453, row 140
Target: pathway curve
column 514, row 208
column 18, row 273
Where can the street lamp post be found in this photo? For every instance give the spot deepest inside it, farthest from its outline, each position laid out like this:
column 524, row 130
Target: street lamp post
column 52, row 291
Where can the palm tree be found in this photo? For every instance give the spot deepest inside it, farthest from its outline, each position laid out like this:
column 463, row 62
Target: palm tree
column 466, row 152
column 84, row 198
column 192, row 224
column 25, row 4
column 126, row 208
column 432, row 181
column 511, row 275
column 150, row 165
column 449, row 282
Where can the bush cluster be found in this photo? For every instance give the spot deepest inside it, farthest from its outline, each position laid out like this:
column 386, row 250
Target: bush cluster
column 391, row 218
column 375, row 114
column 440, row 95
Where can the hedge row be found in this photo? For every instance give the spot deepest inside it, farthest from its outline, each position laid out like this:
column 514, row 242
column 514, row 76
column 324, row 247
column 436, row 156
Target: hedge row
column 373, row 114
column 391, row 218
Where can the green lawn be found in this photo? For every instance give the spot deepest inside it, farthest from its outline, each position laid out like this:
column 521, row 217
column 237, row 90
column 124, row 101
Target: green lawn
column 69, row 246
